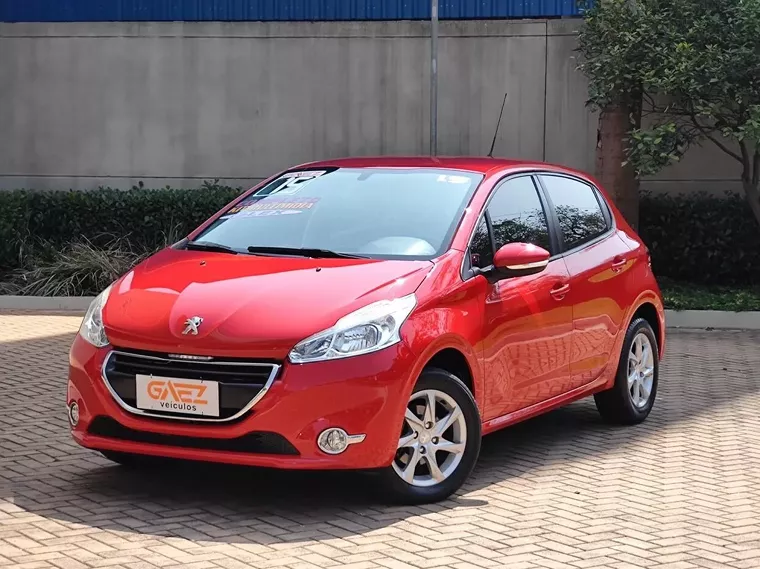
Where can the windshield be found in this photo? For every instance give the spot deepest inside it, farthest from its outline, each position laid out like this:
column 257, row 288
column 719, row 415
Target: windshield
column 368, row 212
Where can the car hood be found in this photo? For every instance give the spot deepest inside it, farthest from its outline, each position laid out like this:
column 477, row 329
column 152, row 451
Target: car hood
column 251, row 306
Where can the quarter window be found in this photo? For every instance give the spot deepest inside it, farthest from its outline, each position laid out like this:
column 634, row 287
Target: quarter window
column 578, row 211
column 481, row 251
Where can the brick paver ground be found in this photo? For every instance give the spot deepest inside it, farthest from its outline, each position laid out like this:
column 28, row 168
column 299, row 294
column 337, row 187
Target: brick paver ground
column 563, row 490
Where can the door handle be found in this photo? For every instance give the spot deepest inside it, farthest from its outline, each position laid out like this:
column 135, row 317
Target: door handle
column 618, row 263
column 560, row 291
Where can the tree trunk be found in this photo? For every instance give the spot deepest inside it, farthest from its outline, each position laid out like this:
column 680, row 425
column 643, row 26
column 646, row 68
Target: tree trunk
column 615, row 122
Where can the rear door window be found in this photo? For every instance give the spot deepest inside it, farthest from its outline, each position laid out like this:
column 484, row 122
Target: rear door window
column 578, row 211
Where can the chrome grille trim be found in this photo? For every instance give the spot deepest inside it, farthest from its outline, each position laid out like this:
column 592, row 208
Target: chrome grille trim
column 144, row 413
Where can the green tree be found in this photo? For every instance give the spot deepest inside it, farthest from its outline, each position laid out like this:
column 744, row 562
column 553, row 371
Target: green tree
column 693, row 69
column 613, row 45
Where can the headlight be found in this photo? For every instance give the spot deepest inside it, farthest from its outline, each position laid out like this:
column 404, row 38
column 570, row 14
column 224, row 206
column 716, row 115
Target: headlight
column 369, row 329
column 92, row 328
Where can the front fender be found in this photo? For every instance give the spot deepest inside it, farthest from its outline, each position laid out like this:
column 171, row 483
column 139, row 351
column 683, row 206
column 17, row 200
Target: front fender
column 452, row 327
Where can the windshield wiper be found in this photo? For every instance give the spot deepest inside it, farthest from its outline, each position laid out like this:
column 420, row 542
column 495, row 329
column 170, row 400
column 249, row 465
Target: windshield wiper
column 208, row 246
column 303, row 252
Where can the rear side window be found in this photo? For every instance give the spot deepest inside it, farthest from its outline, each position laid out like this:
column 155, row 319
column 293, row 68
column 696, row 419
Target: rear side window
column 580, row 216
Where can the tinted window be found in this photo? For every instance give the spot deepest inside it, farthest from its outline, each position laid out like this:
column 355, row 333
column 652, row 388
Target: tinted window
column 578, row 211
column 517, row 215
column 374, row 212
column 481, row 251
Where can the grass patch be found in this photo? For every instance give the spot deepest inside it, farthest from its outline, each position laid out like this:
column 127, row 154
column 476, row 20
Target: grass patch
column 687, row 296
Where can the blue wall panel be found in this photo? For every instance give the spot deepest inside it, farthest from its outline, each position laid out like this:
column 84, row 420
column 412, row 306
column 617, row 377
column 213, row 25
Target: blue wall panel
column 273, row 10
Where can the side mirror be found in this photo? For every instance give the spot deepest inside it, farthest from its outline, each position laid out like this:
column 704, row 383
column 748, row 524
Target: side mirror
column 520, row 259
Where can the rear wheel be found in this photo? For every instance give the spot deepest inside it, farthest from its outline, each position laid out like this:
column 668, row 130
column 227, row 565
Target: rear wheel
column 631, row 398
column 439, row 441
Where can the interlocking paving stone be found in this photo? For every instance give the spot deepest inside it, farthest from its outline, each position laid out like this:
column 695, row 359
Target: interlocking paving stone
column 563, row 490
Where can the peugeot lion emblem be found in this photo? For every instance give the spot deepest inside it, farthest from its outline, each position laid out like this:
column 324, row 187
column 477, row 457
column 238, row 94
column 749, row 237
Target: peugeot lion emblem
column 191, row 326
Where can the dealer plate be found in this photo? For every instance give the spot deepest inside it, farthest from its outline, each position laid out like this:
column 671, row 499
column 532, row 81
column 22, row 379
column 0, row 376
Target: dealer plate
column 173, row 395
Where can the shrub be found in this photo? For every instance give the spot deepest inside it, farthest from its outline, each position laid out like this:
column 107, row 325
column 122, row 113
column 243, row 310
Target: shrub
column 701, row 238
column 81, row 268
column 60, row 218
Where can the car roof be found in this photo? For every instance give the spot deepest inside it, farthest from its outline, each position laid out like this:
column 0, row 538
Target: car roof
column 479, row 164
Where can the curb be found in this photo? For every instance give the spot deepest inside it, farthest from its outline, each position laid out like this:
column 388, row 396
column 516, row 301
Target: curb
column 712, row 319
column 699, row 319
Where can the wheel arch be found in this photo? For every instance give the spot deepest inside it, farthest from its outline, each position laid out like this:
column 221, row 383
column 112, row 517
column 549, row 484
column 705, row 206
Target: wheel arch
column 454, row 355
column 648, row 312
column 454, row 362
column 649, row 307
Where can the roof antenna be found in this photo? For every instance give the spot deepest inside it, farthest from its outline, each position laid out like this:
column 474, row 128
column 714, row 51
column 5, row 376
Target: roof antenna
column 496, row 132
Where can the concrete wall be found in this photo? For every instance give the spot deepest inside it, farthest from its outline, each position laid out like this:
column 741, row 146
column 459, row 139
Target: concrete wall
column 86, row 104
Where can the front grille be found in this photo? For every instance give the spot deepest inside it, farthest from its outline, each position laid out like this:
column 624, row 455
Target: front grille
column 241, row 382
column 254, row 443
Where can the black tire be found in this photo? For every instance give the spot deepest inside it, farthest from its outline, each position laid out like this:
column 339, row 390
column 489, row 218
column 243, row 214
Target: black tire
column 397, row 490
column 616, row 404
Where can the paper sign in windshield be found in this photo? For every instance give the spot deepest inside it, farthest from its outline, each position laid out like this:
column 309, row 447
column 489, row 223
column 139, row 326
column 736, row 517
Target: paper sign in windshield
column 296, row 181
column 274, row 205
column 306, row 174
column 453, row 179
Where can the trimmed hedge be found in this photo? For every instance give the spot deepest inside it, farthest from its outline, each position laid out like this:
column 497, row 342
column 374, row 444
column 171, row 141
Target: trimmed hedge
column 146, row 217
column 695, row 238
column 701, row 238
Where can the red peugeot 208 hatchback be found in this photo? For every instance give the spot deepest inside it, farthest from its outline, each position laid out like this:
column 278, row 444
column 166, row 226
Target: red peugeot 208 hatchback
column 378, row 314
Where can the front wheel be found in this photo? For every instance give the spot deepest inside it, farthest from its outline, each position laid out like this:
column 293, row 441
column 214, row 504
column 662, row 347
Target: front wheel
column 439, row 441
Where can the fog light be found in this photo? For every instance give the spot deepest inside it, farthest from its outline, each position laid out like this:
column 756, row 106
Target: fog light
column 74, row 414
column 336, row 441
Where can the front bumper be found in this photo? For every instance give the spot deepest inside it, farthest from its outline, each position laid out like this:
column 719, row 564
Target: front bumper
column 363, row 395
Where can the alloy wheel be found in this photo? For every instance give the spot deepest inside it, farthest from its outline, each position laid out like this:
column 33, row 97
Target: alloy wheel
column 433, row 439
column 640, row 370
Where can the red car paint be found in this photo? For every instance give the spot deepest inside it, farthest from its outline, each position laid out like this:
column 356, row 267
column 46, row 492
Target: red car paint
column 531, row 343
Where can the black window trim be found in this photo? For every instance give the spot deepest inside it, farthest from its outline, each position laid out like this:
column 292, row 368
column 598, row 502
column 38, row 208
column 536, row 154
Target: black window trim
column 555, row 232
column 605, row 206
column 606, row 213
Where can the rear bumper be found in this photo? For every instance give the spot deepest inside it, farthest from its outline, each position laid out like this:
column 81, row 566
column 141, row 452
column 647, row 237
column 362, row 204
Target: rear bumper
column 362, row 395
